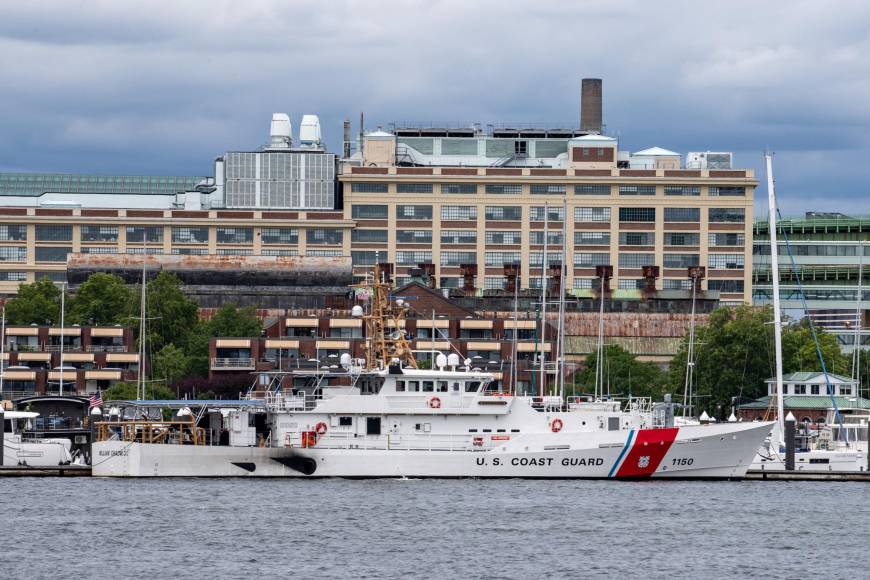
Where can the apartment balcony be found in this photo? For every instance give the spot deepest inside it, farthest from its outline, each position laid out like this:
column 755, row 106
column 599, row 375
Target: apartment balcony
column 232, row 364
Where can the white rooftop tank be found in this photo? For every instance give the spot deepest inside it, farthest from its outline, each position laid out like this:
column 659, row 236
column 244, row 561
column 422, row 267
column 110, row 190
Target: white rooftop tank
column 281, row 132
column 309, row 131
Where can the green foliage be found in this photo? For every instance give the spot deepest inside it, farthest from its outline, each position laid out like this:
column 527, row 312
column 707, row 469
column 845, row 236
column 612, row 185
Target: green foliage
column 122, row 391
column 625, row 374
column 734, row 355
column 102, row 300
column 170, row 364
column 229, row 321
column 171, row 315
column 36, row 303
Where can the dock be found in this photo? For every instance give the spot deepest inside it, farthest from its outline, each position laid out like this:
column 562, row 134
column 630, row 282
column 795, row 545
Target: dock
column 760, row 475
column 58, row 471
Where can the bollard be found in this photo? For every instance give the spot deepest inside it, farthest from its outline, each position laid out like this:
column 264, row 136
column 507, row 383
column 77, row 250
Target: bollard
column 789, row 442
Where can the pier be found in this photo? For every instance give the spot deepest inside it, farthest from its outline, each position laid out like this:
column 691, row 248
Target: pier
column 58, row 471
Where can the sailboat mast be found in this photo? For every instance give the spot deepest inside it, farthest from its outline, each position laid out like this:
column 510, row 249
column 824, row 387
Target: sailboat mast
column 62, row 309
column 3, row 350
column 857, row 357
column 542, row 357
column 690, row 356
column 562, row 281
column 516, row 330
column 140, row 379
column 774, row 268
column 599, row 359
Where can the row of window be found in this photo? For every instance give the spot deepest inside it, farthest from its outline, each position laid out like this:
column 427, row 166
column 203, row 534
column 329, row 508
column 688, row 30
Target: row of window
column 547, row 189
column 555, row 214
column 148, row 234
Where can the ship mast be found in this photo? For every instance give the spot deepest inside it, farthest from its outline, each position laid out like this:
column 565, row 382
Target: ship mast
column 774, row 268
column 542, row 355
column 385, row 344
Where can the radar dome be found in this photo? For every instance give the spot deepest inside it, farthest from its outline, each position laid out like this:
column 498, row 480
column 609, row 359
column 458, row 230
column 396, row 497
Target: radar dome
column 440, row 361
column 356, row 311
column 345, row 359
column 453, row 359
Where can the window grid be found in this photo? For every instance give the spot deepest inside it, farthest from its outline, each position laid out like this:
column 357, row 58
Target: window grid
column 592, row 214
column 413, row 188
column 143, row 234
column 323, row 253
column 414, row 236
column 190, row 251
column 682, row 239
column 630, row 284
column 504, row 237
column 369, row 236
column 13, row 276
column 636, row 260
column 501, row 258
column 637, row 214
column 412, row 258
column 537, row 213
column 452, row 258
column 536, row 238
column 583, row 283
column 727, row 215
column 682, row 214
column 537, row 258
column 464, row 188
column 369, row 187
column 414, row 212
column 504, row 188
column 235, row 235
column 324, row 236
column 725, row 285
column 368, row 257
column 458, row 237
column 685, row 190
column 493, row 283
column 669, row 284
column 549, row 188
column 592, row 189
column 369, row 212
column 15, row 253
column 637, row 190
column 273, row 236
column 591, row 259
column 727, row 191
column 185, row 235
column 637, row 239
column 504, row 213
column 591, row 238
column 725, row 261
column 98, row 233
column 51, row 233
column 235, row 252
column 98, row 250
column 681, row 260
column 726, row 239
column 458, row 212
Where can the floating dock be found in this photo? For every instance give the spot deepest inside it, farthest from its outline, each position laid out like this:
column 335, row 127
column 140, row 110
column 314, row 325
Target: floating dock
column 760, row 475
column 59, row 471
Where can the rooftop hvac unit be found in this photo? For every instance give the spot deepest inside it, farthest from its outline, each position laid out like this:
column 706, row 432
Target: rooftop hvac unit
column 708, row 160
column 281, row 132
column 309, row 131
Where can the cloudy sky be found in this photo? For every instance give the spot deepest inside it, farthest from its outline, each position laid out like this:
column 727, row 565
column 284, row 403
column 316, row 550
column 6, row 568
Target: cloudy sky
column 164, row 87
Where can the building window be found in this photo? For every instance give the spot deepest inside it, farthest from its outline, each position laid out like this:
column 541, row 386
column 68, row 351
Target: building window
column 184, row 235
column 369, row 236
column 151, row 251
column 19, row 253
column 452, row 237
column 549, row 189
column 323, row 253
column 504, row 188
column 50, row 254
column 494, row 283
column 681, row 260
column 369, row 187
column 725, row 261
column 591, row 259
column 414, row 236
column 192, row 252
column 413, row 188
column 733, row 215
column 668, row 284
column 727, row 239
column 727, row 191
column 13, row 276
column 458, row 212
column 681, row 239
column 583, row 283
column 235, row 235
column 412, row 258
column 459, row 188
column 98, row 250
column 53, row 276
column 324, row 236
column 234, row 252
column 636, row 260
column 368, row 257
column 637, row 214
column 47, row 233
column 630, row 284
column 637, row 239
column 414, row 212
column 504, row 213
column 274, row 236
column 686, row 190
column 591, row 238
column 504, row 238
column 275, row 252
column 538, row 213
column 592, row 189
column 637, row 190
column 733, row 286
column 592, row 214
column 536, row 238
column 13, row 233
column 99, row 233
column 682, row 214
column 458, row 258
column 501, row 258
column 148, row 234
column 368, row 212
column 449, row 282
column 537, row 258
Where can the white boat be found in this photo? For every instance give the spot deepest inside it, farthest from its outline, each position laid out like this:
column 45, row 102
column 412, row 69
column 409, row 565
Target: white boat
column 21, row 451
column 395, row 420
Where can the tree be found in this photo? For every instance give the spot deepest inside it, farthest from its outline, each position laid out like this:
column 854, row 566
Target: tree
column 103, row 299
column 734, row 355
column 171, row 315
column 170, row 364
column 624, row 374
column 36, row 303
column 122, row 391
column 228, row 321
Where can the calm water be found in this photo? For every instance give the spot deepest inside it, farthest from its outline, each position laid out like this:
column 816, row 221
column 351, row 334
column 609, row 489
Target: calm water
column 77, row 528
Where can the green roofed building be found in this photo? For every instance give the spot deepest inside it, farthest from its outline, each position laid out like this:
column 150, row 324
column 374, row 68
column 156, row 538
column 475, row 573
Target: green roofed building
column 806, row 395
column 68, row 189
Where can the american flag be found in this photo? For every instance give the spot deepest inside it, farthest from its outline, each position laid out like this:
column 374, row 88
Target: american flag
column 96, row 399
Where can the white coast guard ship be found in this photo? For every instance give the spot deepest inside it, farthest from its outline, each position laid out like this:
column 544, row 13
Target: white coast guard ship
column 395, row 420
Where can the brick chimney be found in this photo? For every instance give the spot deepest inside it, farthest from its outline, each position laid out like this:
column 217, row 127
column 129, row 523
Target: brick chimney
column 696, row 274
column 468, row 272
column 650, row 275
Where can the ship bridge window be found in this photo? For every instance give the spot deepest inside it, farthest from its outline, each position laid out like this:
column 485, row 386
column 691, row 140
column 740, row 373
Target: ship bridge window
column 428, row 386
column 472, row 386
column 345, row 421
column 400, row 386
column 412, row 386
column 455, row 387
column 442, row 386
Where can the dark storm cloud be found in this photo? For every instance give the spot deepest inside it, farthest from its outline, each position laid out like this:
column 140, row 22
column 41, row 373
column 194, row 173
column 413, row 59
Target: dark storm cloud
column 164, row 87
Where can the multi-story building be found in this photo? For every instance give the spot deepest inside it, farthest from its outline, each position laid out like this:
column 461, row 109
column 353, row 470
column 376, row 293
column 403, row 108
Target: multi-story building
column 820, row 259
column 453, row 197
column 74, row 360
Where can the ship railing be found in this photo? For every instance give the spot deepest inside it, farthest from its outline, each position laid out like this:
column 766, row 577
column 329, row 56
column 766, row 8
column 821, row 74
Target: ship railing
column 408, row 442
column 284, row 401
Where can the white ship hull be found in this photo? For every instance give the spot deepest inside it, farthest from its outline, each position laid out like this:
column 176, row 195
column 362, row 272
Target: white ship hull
column 711, row 451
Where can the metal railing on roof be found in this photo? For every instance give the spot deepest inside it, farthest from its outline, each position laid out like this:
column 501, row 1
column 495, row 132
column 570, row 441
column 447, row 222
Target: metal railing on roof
column 815, row 226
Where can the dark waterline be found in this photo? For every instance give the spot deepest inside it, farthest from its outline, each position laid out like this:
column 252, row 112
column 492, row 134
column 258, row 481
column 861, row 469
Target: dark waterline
column 239, row 528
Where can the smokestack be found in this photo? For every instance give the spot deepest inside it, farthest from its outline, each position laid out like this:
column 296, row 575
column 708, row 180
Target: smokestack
column 346, row 144
column 590, row 105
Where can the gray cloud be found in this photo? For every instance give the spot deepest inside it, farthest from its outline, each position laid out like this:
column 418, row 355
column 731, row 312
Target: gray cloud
column 164, row 87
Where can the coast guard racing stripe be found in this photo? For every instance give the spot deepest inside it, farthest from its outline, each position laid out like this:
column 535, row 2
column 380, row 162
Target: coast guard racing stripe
column 650, row 447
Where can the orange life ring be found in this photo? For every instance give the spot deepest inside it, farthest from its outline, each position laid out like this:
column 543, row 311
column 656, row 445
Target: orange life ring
column 435, row 403
column 320, row 428
column 556, row 425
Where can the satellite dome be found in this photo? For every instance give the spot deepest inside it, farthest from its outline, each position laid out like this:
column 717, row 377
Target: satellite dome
column 356, row 311
column 453, row 359
column 440, row 361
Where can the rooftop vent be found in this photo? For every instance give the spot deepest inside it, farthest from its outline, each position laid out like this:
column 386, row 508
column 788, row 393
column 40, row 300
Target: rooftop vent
column 281, row 132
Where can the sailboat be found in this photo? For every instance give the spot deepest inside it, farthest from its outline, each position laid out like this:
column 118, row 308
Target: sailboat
column 825, row 453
